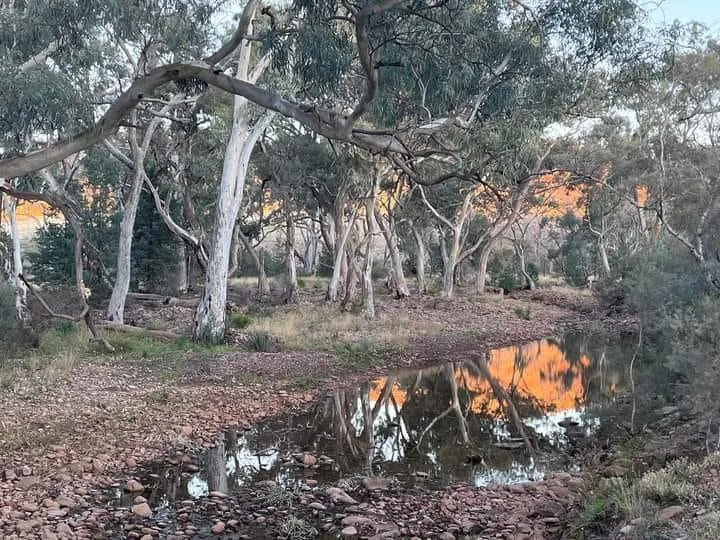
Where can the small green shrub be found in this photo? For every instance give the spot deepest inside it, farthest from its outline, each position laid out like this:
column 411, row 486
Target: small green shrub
column 240, row 320
column 301, row 283
column 262, row 342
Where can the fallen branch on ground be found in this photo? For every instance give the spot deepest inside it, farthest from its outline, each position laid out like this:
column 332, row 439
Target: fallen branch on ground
column 164, row 335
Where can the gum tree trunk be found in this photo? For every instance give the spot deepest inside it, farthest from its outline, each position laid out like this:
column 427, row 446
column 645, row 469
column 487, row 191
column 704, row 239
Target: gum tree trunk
column 21, row 308
column 259, row 260
column 291, row 286
column 420, row 261
column 209, row 322
column 368, row 294
column 116, row 308
column 399, row 281
column 451, row 261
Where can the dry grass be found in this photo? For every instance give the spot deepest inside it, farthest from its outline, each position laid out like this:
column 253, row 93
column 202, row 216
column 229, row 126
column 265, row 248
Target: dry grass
column 325, row 327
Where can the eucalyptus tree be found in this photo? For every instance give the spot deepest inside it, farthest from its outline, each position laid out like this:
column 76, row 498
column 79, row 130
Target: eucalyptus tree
column 467, row 53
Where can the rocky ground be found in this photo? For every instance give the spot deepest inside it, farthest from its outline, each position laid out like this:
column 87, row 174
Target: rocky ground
column 66, row 435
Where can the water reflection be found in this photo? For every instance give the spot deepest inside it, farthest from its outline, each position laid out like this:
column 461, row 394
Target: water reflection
column 504, row 417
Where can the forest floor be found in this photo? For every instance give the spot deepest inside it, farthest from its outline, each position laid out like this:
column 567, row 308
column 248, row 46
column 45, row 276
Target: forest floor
column 77, row 422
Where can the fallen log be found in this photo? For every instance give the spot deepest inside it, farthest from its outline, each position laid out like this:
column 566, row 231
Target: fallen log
column 164, row 335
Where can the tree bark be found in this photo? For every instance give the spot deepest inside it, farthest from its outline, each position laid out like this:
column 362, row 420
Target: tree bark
column 311, row 249
column 21, row 310
column 604, row 257
column 180, row 283
column 485, row 252
column 520, row 251
column 116, row 308
column 209, row 322
column 234, row 253
column 450, row 263
column 353, row 273
column 291, row 284
column 368, row 293
column 399, row 281
column 341, row 239
column 420, row 261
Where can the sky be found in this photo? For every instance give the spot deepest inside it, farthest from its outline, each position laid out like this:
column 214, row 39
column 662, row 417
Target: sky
column 704, row 11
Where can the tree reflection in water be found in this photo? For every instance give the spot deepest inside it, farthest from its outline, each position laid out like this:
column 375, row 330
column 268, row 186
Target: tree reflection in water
column 498, row 417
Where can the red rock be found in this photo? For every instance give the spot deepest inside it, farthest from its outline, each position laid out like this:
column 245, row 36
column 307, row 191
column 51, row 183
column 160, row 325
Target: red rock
column 218, row 528
column 64, row 530
column 130, row 462
column 186, row 431
column 26, row 526
column 133, row 486
column 142, row 510
column 29, row 507
column 146, row 537
column 349, row 532
column 666, row 514
column 65, row 502
column 26, row 482
column 308, row 460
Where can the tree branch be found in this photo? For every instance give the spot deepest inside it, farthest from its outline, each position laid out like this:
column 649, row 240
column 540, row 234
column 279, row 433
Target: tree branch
column 324, row 122
column 40, row 57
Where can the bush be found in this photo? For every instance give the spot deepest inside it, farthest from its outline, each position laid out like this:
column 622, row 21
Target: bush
column 262, row 342
column 240, row 320
column 502, row 269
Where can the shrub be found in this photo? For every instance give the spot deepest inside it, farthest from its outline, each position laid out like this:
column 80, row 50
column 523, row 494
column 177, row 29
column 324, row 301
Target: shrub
column 262, row 342
column 240, row 320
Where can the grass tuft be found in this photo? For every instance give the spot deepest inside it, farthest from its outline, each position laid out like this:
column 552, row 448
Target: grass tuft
column 262, row 342
column 294, row 528
column 240, row 320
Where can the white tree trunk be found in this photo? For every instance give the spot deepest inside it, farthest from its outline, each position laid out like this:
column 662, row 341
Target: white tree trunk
column 180, row 283
column 209, row 323
column 116, row 308
column 340, row 257
column 312, row 247
column 368, row 294
column 420, row 261
column 399, row 281
column 21, row 309
column 450, row 263
column 481, row 279
column 291, row 285
column 604, row 257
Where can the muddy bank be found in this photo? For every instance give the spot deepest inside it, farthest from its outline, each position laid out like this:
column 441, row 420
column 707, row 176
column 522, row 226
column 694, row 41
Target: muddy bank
column 64, row 438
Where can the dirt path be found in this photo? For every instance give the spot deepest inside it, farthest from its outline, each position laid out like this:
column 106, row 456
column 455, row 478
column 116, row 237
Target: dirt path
column 65, row 435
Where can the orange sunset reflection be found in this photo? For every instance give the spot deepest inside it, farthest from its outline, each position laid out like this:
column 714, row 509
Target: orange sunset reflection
column 538, row 372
